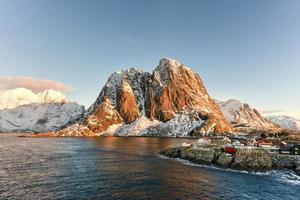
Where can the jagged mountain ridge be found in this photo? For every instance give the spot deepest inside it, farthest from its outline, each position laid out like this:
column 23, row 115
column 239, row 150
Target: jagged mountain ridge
column 286, row 122
column 244, row 118
column 173, row 94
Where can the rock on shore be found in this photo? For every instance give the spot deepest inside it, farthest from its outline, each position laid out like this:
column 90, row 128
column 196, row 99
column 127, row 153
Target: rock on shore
column 254, row 159
column 280, row 161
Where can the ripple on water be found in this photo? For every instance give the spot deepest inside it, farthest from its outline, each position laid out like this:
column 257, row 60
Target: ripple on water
column 124, row 168
column 286, row 176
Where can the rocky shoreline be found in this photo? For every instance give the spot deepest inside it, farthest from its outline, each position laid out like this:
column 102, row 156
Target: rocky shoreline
column 246, row 159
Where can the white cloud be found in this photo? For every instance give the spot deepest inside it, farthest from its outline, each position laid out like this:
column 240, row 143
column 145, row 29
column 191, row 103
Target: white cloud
column 271, row 112
column 36, row 85
column 280, row 112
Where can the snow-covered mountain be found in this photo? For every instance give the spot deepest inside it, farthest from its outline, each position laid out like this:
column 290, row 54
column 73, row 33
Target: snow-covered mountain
column 38, row 117
column 286, row 122
column 21, row 96
column 170, row 101
column 244, row 118
column 21, row 110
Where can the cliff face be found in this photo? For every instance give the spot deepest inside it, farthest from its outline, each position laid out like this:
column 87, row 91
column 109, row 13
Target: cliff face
column 126, row 103
column 175, row 87
column 104, row 116
column 173, row 94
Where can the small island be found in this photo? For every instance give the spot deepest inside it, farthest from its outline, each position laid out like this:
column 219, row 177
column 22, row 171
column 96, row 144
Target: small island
column 236, row 155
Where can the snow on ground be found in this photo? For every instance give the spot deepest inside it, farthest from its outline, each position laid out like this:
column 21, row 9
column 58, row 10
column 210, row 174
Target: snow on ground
column 181, row 125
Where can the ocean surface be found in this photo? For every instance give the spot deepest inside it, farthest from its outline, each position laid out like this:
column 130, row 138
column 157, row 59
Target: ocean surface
column 124, row 168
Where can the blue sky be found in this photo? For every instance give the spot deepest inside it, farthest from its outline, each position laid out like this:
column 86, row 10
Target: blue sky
column 249, row 50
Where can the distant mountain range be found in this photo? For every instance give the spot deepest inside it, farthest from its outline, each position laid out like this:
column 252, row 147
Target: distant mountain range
column 170, row 101
column 24, row 111
column 244, row 118
column 286, row 122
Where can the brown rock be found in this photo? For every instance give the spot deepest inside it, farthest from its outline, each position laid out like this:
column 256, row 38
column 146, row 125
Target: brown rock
column 104, row 116
column 126, row 104
column 175, row 87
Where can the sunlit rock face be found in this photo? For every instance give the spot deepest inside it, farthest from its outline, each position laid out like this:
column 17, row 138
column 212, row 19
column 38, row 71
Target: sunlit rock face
column 170, row 101
column 173, row 88
column 126, row 103
column 104, row 116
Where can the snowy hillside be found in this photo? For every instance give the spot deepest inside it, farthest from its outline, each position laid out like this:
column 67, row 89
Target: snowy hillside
column 37, row 117
column 287, row 122
column 244, row 118
column 21, row 110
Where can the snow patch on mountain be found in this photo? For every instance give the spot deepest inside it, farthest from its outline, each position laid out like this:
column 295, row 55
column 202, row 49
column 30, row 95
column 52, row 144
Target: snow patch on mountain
column 181, row 125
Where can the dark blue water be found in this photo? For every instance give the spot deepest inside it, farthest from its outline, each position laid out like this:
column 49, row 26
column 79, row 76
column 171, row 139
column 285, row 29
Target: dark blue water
column 123, row 168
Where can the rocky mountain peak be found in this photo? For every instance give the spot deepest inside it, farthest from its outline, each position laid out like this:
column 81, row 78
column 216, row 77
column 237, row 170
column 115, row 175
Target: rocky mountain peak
column 177, row 88
column 172, row 91
column 136, row 79
column 169, row 61
column 167, row 69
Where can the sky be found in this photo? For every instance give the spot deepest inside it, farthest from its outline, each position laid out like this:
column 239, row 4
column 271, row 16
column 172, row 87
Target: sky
column 246, row 50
